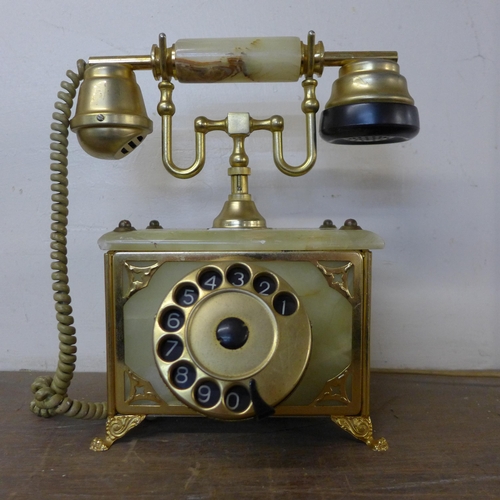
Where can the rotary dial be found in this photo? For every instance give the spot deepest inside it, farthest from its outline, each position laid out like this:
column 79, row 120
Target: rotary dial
column 232, row 340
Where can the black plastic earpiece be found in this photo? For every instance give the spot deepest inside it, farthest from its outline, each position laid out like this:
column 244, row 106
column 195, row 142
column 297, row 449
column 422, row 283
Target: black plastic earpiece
column 369, row 123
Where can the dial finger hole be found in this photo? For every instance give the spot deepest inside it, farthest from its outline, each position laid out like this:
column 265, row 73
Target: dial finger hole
column 170, row 348
column 172, row 319
column 285, row 304
column 265, row 284
column 238, row 275
column 237, row 399
column 186, row 295
column 207, row 394
column 210, row 279
column 183, row 375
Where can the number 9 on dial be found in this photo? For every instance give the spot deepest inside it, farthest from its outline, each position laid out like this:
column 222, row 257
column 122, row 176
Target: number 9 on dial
column 207, row 394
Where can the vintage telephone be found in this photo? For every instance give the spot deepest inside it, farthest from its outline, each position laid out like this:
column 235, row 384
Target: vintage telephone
column 239, row 320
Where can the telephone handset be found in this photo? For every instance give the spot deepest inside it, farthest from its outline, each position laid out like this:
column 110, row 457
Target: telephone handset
column 240, row 320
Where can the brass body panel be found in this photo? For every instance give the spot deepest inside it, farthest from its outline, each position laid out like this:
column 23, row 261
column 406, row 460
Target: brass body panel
column 135, row 386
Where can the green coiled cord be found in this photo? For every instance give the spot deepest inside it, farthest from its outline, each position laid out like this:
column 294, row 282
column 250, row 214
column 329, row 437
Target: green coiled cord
column 50, row 393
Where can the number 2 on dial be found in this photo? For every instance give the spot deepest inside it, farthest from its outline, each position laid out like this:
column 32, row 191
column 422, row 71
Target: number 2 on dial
column 265, row 284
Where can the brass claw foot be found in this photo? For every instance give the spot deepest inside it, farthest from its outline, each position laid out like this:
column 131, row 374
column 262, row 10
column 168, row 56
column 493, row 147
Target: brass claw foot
column 116, row 427
column 361, row 428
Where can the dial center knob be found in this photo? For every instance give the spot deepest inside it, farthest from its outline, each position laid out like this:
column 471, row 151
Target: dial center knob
column 232, row 333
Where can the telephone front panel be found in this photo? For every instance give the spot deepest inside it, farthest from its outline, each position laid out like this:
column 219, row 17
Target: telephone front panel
column 234, row 334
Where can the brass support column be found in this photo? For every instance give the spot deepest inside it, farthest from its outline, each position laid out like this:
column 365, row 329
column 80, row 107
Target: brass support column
column 239, row 211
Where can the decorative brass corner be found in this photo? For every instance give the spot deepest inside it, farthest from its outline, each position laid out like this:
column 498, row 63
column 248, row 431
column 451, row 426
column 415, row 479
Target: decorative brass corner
column 361, row 428
column 116, row 428
column 139, row 277
column 335, row 389
column 140, row 390
column 341, row 284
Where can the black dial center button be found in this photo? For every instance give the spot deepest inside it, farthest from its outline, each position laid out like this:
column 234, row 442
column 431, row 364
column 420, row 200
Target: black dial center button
column 232, row 333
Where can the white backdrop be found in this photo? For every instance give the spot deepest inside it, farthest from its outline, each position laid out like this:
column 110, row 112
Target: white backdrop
column 434, row 200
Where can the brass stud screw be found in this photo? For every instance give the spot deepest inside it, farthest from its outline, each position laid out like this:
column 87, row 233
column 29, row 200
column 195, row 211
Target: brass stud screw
column 124, row 226
column 350, row 224
column 328, row 224
column 154, row 224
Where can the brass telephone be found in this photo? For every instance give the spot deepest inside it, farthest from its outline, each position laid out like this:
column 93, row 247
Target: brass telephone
column 239, row 320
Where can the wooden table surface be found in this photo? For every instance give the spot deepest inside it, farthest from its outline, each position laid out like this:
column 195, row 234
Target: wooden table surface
column 443, row 434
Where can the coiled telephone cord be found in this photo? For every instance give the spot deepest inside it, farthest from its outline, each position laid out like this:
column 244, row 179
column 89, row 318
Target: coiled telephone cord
column 51, row 396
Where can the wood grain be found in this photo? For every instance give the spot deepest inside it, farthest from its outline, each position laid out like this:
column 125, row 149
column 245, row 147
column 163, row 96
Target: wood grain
column 443, row 433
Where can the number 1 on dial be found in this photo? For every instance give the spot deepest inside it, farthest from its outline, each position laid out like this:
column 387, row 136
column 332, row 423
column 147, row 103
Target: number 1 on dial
column 285, row 304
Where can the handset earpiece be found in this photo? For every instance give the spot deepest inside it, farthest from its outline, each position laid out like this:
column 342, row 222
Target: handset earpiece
column 369, row 104
column 110, row 119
